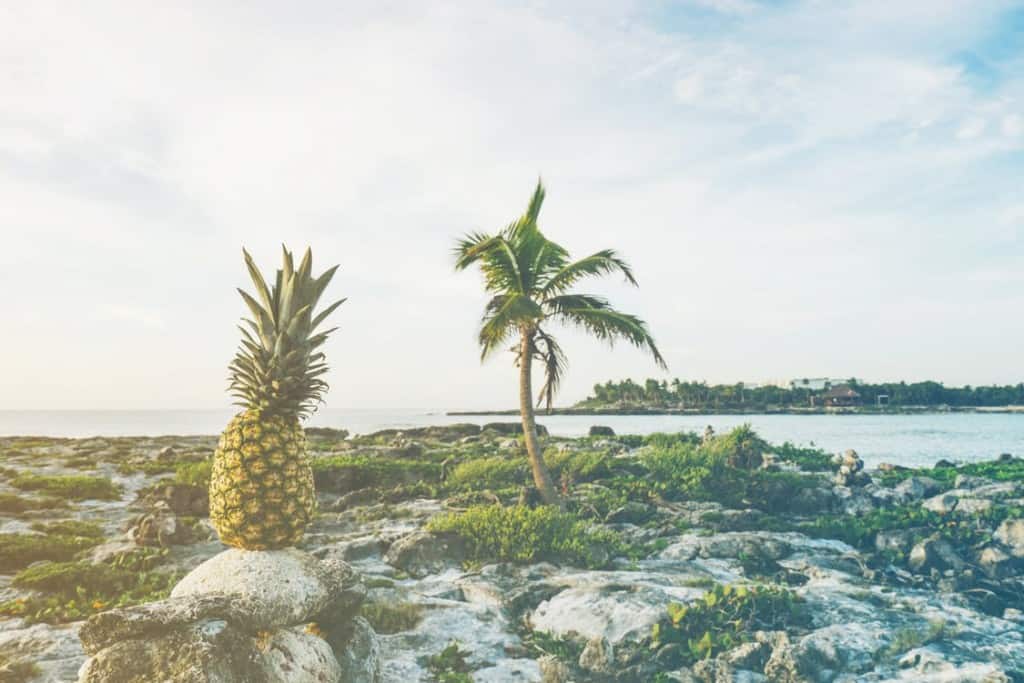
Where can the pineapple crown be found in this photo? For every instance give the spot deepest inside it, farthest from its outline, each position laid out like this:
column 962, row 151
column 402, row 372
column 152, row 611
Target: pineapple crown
column 277, row 368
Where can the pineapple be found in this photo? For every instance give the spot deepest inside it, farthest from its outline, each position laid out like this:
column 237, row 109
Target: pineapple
column 261, row 487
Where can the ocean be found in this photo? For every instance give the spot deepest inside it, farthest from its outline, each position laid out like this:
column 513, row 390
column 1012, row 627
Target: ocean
column 911, row 440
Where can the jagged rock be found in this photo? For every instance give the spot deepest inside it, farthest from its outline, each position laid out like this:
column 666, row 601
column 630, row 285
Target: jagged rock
column 810, row 500
column 934, row 553
column 279, row 587
column 352, row 499
column 751, row 545
column 973, row 506
column 598, row 656
column 1011, row 534
column 967, row 481
column 916, row 488
column 214, row 651
column 553, row 670
column 996, row 563
column 185, row 499
column 928, row 664
column 358, row 653
column 898, row 540
column 204, row 652
column 298, row 656
column 421, row 553
column 599, row 606
column 511, row 428
column 850, row 470
column 601, row 430
column 714, row 671
column 781, row 666
column 159, row 528
column 157, row 619
column 55, row 650
column 751, row 656
column 853, row 501
column 943, row 504
column 167, row 454
column 632, row 513
column 944, row 464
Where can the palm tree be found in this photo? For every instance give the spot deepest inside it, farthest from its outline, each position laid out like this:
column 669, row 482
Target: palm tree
column 529, row 279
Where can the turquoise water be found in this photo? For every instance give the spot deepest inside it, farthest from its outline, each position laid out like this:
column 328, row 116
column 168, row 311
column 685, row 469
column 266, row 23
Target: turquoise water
column 901, row 439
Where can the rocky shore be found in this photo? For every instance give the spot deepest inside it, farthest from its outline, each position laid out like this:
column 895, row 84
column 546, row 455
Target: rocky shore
column 678, row 558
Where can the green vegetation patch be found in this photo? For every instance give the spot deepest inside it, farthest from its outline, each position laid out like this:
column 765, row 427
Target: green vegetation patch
column 74, row 487
column 194, row 473
column 495, row 472
column 911, row 637
column 726, row 469
column 450, row 665
column 807, row 459
column 343, row 473
column 396, row 617
column 726, row 617
column 523, row 534
column 579, row 466
column 21, row 550
column 70, row 527
column 13, row 503
column 69, row 591
column 997, row 470
column 860, row 532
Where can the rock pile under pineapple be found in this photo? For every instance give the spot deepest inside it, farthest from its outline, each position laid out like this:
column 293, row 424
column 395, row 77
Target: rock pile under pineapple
column 241, row 617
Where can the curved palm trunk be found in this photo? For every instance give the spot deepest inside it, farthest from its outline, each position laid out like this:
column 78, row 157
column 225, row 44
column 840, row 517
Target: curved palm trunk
column 541, row 477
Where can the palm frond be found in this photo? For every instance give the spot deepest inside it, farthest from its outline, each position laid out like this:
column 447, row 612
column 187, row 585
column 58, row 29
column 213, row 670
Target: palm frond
column 498, row 261
column 555, row 364
column 594, row 315
column 604, row 262
column 503, row 315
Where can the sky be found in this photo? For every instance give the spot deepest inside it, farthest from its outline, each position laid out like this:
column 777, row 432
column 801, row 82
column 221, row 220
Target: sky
column 819, row 188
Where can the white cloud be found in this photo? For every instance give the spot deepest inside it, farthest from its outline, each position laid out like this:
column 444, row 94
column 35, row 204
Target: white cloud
column 971, row 129
column 1013, row 125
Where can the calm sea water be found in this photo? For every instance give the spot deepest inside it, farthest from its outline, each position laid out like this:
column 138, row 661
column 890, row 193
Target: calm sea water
column 902, row 439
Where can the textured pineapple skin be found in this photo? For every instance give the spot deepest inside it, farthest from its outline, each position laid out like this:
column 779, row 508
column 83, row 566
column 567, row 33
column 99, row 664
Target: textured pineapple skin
column 261, row 487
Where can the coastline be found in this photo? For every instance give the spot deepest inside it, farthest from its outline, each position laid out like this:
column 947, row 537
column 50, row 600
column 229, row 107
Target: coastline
column 904, row 410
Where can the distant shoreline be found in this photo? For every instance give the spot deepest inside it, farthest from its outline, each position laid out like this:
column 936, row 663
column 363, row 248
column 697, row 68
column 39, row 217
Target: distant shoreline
column 905, row 410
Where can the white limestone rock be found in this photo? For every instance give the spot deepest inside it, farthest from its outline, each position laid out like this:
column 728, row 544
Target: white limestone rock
column 279, row 587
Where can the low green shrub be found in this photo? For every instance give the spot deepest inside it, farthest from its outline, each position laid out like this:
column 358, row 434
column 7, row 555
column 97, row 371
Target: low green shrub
column 21, row 550
column 70, row 527
column 741, row 447
column 997, row 470
column 13, row 503
column 494, row 472
column 727, row 616
column 343, row 473
column 725, row 470
column 194, row 473
column 860, row 532
column 74, row 487
column 542, row 643
column 449, row 665
column 807, row 459
column 663, row 440
column 69, row 591
column 578, row 466
column 522, row 534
